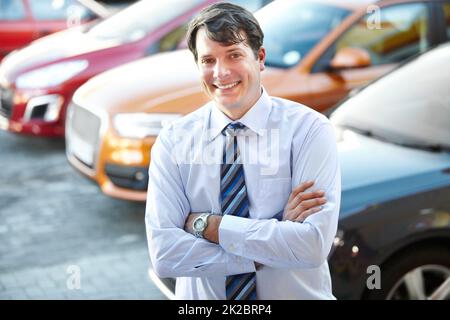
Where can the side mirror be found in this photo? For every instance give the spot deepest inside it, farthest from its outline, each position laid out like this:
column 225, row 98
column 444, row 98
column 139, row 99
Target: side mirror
column 348, row 57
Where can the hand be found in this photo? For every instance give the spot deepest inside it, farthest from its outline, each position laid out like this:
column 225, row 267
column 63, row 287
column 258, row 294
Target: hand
column 302, row 204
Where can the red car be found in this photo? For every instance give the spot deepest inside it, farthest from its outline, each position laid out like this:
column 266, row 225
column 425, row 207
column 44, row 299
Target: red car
column 38, row 81
column 22, row 21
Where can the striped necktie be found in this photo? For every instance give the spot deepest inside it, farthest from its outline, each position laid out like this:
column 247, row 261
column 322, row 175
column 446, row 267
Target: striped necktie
column 234, row 201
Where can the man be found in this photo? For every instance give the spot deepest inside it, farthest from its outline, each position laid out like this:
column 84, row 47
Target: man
column 227, row 213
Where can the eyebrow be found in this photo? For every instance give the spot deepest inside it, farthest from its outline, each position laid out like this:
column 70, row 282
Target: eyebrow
column 228, row 51
column 234, row 50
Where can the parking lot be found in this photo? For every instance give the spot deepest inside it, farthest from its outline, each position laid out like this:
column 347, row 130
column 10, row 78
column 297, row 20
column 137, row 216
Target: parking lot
column 60, row 238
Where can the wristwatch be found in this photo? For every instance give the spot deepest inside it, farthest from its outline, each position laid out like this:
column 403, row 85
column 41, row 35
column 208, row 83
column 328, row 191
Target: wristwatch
column 199, row 224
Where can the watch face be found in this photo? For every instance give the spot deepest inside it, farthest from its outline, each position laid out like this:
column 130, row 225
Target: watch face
column 199, row 224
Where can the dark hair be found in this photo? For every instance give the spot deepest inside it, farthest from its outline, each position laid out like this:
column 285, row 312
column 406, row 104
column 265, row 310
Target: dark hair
column 224, row 22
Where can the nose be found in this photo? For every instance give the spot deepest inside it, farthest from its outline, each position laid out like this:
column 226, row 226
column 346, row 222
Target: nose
column 221, row 70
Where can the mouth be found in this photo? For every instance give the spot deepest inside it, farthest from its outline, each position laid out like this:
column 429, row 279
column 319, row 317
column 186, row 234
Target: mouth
column 226, row 86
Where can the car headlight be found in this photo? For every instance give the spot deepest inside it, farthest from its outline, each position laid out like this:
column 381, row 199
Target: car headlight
column 141, row 125
column 52, row 75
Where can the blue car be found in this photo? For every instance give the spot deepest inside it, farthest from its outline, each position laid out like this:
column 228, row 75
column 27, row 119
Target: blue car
column 393, row 240
column 394, row 143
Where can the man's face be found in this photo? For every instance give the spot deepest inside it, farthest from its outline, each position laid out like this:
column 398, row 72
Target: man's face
column 230, row 74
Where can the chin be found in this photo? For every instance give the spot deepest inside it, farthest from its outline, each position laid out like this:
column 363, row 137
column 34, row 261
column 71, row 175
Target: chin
column 229, row 105
column 225, row 101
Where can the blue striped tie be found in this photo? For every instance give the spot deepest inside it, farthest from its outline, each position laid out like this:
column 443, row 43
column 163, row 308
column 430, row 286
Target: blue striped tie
column 234, row 201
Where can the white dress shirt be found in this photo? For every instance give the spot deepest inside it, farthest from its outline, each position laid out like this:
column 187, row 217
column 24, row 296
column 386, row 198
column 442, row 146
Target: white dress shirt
column 286, row 144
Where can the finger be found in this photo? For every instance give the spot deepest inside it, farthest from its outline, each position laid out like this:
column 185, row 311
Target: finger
column 305, row 196
column 308, row 204
column 307, row 213
column 290, row 215
column 300, row 188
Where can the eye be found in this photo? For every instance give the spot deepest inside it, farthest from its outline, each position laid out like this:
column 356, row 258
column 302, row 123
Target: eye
column 235, row 55
column 207, row 60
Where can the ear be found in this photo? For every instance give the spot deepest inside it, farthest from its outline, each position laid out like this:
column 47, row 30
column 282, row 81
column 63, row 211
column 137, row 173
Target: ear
column 262, row 58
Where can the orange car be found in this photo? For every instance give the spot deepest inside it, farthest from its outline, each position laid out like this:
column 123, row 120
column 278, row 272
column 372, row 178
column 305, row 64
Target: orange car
column 317, row 51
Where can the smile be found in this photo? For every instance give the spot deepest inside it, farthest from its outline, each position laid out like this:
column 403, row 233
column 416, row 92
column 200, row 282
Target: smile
column 227, row 86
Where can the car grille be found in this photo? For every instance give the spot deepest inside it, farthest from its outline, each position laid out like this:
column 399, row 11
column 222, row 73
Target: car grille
column 6, row 102
column 82, row 133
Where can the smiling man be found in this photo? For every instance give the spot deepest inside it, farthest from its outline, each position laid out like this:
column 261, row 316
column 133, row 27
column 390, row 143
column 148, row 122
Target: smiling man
column 230, row 72
column 236, row 225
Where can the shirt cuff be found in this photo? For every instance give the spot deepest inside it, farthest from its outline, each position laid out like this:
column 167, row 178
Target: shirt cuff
column 232, row 231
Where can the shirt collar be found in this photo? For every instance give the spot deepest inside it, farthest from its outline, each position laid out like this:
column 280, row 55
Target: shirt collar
column 255, row 119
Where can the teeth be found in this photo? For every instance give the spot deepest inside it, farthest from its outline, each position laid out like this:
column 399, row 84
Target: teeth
column 228, row 86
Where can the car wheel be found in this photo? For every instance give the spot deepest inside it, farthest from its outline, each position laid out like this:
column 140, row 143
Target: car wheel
column 417, row 274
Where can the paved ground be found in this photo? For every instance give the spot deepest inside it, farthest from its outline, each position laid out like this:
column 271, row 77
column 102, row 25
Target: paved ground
column 60, row 238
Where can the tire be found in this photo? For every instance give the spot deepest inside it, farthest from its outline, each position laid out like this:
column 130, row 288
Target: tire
column 401, row 275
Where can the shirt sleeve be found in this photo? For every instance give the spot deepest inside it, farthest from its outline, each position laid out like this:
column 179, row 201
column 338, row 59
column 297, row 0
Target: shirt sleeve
column 173, row 251
column 287, row 244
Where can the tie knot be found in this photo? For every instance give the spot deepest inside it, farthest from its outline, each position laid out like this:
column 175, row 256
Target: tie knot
column 233, row 129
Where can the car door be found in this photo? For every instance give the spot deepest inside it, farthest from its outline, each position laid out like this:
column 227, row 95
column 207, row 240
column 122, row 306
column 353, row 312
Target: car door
column 16, row 27
column 386, row 36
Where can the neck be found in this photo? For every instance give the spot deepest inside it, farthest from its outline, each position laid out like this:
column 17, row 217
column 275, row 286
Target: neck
column 234, row 114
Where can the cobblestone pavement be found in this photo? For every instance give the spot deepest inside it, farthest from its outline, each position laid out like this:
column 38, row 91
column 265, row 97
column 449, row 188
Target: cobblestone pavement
column 60, row 238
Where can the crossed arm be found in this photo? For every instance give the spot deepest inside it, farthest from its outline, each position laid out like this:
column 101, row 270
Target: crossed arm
column 277, row 244
column 301, row 204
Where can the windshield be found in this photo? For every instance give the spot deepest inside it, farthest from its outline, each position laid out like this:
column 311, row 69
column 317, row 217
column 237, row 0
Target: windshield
column 410, row 105
column 136, row 21
column 292, row 29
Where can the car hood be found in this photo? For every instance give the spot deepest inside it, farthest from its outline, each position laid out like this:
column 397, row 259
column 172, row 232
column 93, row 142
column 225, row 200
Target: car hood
column 148, row 82
column 375, row 171
column 160, row 83
column 51, row 49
